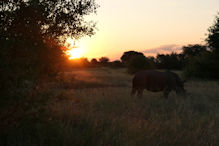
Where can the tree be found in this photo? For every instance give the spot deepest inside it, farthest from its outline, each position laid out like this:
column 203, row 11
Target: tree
column 213, row 37
column 138, row 63
column 169, row 61
column 94, row 62
column 193, row 50
column 152, row 59
column 32, row 32
column 48, row 18
column 84, row 62
column 205, row 64
column 103, row 60
column 127, row 56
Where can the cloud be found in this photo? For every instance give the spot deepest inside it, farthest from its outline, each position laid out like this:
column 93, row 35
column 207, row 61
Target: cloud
column 164, row 49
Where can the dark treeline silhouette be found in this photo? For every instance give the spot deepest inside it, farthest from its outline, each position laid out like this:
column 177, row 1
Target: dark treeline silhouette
column 171, row 61
column 93, row 63
column 136, row 61
column 206, row 63
column 196, row 61
column 203, row 61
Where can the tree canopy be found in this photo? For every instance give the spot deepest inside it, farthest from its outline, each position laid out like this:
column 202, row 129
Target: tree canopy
column 169, row 61
column 47, row 18
column 103, row 60
column 213, row 37
column 127, row 56
column 33, row 30
column 193, row 50
column 205, row 64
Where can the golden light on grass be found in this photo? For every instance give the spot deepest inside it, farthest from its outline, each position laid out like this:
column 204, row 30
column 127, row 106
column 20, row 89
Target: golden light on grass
column 72, row 50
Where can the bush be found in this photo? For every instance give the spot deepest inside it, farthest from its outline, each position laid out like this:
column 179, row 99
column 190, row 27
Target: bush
column 116, row 64
column 203, row 66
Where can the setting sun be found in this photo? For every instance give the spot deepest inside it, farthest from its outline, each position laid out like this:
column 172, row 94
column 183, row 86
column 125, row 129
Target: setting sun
column 73, row 51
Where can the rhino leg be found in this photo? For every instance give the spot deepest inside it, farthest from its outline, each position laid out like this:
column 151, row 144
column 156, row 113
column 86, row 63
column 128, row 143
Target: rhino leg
column 166, row 93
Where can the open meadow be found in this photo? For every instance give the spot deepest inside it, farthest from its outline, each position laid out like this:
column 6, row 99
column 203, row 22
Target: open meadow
column 94, row 107
column 66, row 73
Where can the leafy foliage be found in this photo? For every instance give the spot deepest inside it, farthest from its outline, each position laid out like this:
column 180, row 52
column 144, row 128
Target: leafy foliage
column 138, row 63
column 32, row 32
column 48, row 18
column 205, row 64
column 94, row 61
column 103, row 60
column 213, row 37
column 127, row 56
column 193, row 50
column 169, row 61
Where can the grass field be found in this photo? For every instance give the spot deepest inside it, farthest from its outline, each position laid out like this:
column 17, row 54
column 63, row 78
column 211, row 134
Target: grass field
column 94, row 107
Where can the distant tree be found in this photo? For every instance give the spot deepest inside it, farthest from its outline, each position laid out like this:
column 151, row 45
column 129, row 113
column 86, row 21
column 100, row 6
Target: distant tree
column 94, row 62
column 193, row 50
column 84, row 62
column 138, row 63
column 213, row 37
column 103, row 60
column 152, row 59
column 127, row 56
column 31, row 33
column 206, row 64
column 169, row 61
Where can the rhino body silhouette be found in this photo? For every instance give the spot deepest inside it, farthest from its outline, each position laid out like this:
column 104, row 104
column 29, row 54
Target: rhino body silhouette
column 156, row 81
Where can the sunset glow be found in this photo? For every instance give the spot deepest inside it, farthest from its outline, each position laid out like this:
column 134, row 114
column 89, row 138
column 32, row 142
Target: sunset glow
column 148, row 26
column 73, row 51
column 185, row 23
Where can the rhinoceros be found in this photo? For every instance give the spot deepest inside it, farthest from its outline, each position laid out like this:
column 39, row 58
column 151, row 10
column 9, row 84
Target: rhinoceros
column 156, row 81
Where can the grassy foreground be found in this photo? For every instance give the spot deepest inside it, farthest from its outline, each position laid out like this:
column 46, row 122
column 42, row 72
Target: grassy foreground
column 94, row 107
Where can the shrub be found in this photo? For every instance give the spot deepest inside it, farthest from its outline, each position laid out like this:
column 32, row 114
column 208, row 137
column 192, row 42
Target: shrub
column 203, row 66
column 116, row 64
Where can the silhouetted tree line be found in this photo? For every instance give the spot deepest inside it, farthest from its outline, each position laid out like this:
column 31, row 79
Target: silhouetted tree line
column 135, row 61
column 196, row 61
column 101, row 62
column 188, row 60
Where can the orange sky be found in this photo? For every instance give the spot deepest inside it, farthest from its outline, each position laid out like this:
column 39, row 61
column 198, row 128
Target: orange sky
column 148, row 25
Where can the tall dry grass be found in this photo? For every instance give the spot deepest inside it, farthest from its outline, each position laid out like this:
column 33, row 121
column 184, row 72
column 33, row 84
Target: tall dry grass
column 94, row 107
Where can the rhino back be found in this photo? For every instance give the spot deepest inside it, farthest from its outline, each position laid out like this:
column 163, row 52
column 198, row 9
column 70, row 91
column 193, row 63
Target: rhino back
column 151, row 80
